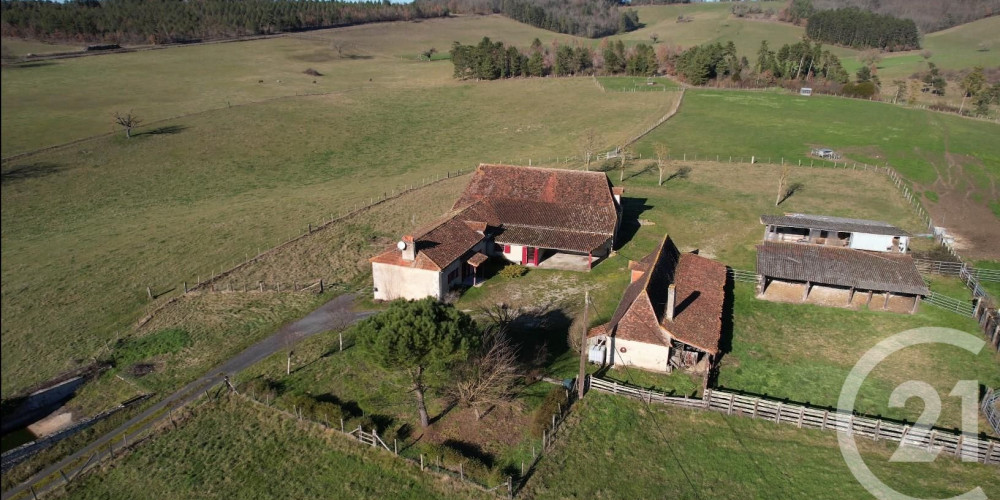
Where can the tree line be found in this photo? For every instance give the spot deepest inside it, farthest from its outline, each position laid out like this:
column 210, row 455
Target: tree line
column 489, row 60
column 929, row 15
column 853, row 27
column 792, row 62
column 162, row 21
column 586, row 18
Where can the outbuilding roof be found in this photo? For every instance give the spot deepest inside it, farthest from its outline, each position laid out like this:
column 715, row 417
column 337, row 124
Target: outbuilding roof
column 830, row 223
column 838, row 266
column 699, row 299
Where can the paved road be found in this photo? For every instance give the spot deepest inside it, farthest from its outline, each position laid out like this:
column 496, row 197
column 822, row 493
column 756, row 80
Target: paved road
column 336, row 313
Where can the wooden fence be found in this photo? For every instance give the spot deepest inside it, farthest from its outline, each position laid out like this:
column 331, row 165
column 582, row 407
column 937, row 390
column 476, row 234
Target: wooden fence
column 373, row 440
column 986, row 451
column 991, row 409
column 742, row 275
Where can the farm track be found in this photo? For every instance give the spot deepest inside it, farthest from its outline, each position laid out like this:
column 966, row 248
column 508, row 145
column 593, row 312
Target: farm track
column 323, row 318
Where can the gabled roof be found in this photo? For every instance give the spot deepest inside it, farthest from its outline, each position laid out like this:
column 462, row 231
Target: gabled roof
column 830, row 223
column 699, row 298
column 838, row 266
column 547, row 185
column 441, row 243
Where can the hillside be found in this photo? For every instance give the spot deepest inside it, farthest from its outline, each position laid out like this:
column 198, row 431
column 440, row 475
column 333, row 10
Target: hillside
column 930, row 15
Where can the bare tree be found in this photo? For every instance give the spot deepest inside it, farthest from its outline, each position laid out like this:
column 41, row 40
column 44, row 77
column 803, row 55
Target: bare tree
column 342, row 48
column 588, row 145
column 429, row 53
column 128, row 121
column 490, row 379
column 781, row 184
column 624, row 153
column 662, row 153
column 654, row 37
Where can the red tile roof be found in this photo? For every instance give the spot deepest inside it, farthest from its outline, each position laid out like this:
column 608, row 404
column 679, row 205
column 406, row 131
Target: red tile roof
column 559, row 209
column 700, row 294
column 571, row 187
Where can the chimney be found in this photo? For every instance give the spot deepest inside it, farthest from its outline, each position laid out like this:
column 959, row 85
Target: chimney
column 408, row 248
column 671, row 299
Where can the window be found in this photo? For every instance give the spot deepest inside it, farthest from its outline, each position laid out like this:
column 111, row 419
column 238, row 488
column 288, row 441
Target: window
column 506, row 249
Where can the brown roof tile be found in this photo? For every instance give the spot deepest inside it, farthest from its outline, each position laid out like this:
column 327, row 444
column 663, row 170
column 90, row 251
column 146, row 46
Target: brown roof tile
column 573, row 241
column 841, row 267
column 700, row 295
column 571, row 187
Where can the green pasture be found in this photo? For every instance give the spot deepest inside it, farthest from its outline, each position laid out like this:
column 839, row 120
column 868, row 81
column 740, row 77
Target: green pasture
column 614, row 447
column 772, row 126
column 636, row 84
column 232, row 449
column 16, row 47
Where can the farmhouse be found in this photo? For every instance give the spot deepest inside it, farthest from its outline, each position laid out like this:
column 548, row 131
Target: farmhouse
column 858, row 234
column 536, row 217
column 830, row 275
column 670, row 316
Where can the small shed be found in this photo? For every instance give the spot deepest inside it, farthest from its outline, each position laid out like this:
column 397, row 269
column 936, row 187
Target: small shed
column 826, row 153
column 806, row 91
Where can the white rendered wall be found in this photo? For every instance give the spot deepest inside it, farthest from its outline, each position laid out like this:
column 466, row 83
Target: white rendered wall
column 396, row 282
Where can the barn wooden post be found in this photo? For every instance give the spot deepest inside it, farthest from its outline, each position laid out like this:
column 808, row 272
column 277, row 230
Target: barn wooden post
column 805, row 292
column 850, row 297
column 885, row 305
column 916, row 304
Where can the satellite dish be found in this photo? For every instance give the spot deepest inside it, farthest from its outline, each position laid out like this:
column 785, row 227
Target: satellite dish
column 401, row 245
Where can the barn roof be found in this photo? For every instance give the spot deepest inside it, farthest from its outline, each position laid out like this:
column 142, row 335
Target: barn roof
column 700, row 294
column 838, row 266
column 548, row 185
column 830, row 223
column 440, row 243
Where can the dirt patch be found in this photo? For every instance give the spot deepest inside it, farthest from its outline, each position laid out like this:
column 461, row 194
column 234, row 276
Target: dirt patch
column 963, row 206
column 51, row 424
column 497, row 431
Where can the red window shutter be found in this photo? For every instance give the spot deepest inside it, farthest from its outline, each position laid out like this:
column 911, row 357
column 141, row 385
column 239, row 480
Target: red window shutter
column 506, row 249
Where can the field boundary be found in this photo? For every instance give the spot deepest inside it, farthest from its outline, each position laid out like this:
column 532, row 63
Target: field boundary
column 209, row 283
column 983, row 450
column 372, row 439
column 949, row 268
column 991, row 402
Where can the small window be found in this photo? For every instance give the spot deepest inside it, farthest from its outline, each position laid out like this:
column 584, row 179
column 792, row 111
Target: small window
column 506, row 249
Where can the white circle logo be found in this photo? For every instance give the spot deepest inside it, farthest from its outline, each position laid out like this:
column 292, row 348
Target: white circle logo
column 906, row 390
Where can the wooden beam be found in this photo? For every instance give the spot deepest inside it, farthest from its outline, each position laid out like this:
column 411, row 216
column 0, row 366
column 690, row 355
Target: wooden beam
column 805, row 293
column 916, row 304
column 885, row 305
column 868, row 302
column 850, row 298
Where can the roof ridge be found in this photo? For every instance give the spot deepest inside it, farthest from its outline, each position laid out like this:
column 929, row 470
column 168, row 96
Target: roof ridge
column 551, row 169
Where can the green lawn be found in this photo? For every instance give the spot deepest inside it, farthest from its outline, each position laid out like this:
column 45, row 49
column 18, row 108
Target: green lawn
column 231, row 449
column 619, row 448
column 16, row 47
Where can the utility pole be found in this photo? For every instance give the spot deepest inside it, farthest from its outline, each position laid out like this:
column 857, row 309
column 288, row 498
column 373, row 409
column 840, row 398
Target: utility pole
column 581, row 380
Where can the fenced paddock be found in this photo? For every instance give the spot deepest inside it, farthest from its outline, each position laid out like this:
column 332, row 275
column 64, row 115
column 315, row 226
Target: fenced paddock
column 985, row 451
column 957, row 306
column 991, row 409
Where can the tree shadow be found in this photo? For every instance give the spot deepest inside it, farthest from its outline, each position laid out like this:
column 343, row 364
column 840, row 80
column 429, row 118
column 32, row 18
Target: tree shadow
column 791, row 190
column 540, row 335
column 350, row 409
column 680, row 173
column 29, row 171
column 632, row 208
column 471, row 450
column 30, row 64
column 648, row 168
column 437, row 418
column 166, row 130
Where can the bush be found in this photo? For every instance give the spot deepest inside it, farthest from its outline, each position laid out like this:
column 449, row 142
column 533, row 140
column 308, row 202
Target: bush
column 313, row 409
column 513, row 271
column 312, row 72
column 863, row 90
column 541, row 419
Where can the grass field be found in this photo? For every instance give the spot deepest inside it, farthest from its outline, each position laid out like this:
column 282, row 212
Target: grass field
column 608, row 448
column 231, row 449
column 206, row 191
column 636, row 84
column 16, row 47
